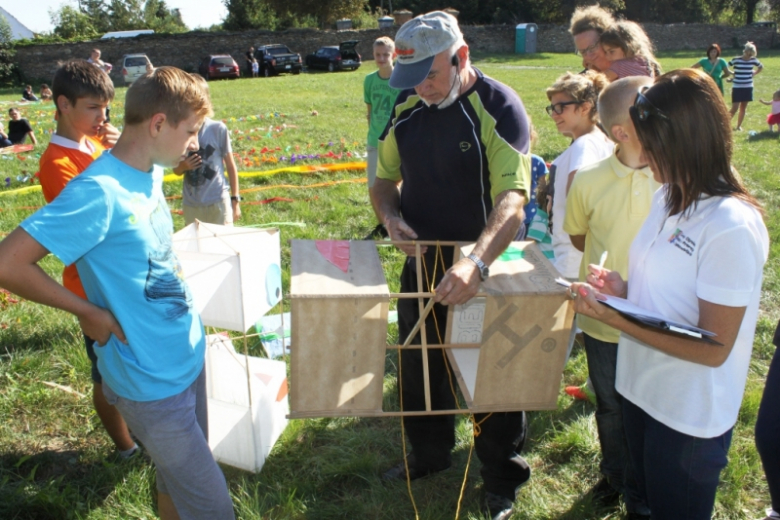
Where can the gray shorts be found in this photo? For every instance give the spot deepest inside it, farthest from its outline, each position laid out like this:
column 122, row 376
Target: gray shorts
column 371, row 163
column 174, row 431
column 220, row 213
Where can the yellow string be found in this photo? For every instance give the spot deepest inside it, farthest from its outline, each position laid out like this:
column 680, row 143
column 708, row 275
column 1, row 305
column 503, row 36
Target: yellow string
column 403, row 438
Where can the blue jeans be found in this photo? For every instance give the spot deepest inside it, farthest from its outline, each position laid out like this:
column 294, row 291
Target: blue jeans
column 677, row 473
column 768, row 430
column 615, row 463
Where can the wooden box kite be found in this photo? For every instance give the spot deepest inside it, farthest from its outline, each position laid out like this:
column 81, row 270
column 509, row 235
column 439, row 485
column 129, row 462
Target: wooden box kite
column 507, row 347
column 233, row 273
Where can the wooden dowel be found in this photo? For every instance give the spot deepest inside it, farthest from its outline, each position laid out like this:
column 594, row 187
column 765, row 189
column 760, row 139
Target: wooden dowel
column 416, row 328
column 400, row 296
column 423, row 332
column 445, row 345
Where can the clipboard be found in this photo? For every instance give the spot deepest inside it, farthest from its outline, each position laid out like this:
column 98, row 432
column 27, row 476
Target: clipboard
column 652, row 319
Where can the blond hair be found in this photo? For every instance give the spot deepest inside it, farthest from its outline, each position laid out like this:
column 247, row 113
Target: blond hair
column 386, row 41
column 169, row 91
column 750, row 48
column 633, row 41
column 616, row 99
column 582, row 88
column 590, row 18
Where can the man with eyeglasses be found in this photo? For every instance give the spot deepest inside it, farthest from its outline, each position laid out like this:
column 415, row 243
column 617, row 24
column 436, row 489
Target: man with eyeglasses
column 587, row 26
column 459, row 141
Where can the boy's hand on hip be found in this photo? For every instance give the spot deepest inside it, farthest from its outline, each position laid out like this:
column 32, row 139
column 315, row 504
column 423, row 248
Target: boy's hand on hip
column 99, row 324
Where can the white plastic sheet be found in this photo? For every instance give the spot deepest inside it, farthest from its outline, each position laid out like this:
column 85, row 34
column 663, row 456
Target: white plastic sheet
column 245, row 418
column 234, row 273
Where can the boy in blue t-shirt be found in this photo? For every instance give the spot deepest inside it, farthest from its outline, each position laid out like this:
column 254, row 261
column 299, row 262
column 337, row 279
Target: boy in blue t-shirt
column 114, row 223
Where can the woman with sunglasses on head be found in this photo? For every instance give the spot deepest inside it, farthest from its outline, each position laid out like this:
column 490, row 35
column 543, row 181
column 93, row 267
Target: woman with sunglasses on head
column 572, row 107
column 698, row 259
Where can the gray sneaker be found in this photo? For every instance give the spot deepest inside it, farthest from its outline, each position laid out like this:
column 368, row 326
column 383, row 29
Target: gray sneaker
column 499, row 507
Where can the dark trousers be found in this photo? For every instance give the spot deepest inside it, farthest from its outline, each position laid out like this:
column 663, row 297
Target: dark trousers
column 615, row 464
column 768, row 430
column 677, row 473
column 432, row 437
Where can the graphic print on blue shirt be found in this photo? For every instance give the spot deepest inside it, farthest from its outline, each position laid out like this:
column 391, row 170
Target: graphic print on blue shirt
column 164, row 282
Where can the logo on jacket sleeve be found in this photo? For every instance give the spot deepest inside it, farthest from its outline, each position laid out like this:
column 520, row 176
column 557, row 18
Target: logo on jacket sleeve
column 465, row 146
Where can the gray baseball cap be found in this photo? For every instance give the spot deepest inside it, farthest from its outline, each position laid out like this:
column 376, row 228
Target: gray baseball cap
column 417, row 43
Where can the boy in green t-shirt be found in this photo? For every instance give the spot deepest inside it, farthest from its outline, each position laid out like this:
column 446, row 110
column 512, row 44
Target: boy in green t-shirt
column 380, row 98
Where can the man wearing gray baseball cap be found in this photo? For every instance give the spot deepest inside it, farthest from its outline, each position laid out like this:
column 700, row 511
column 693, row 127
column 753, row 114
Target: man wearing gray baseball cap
column 459, row 142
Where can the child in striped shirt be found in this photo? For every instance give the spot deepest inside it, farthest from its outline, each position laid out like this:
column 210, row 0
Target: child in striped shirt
column 742, row 91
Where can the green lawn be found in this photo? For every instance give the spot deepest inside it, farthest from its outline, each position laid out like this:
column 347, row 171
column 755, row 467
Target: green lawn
column 56, row 461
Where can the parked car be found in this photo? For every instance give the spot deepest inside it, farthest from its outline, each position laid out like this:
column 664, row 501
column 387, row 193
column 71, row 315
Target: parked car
column 334, row 58
column 134, row 66
column 275, row 58
column 216, row 66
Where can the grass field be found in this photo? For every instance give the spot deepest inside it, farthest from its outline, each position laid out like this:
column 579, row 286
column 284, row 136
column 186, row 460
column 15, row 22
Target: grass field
column 56, row 461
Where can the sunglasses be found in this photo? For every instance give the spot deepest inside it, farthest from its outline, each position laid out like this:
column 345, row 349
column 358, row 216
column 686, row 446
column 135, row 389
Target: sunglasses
column 644, row 108
column 558, row 107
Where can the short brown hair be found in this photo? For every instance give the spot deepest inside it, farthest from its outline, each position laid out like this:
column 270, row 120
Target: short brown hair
column 590, row 18
column 691, row 144
column 713, row 46
column 384, row 40
column 169, row 91
column 76, row 79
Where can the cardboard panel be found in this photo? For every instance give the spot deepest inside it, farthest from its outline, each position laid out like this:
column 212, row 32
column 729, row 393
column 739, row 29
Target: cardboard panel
column 338, row 355
column 313, row 275
column 524, row 344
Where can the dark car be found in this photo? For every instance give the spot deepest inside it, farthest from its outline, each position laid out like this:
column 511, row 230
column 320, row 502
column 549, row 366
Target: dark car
column 219, row 66
column 277, row 58
column 334, row 58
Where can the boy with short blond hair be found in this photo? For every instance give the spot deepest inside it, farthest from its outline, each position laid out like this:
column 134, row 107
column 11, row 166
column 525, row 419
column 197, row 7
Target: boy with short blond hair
column 82, row 94
column 607, row 204
column 379, row 97
column 114, row 222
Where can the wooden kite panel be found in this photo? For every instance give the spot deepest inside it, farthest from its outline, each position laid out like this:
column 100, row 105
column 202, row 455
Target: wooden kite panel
column 524, row 326
column 339, row 329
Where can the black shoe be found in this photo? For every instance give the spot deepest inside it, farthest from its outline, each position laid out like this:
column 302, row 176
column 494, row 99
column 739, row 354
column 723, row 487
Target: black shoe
column 604, row 493
column 499, row 507
column 398, row 472
column 378, row 233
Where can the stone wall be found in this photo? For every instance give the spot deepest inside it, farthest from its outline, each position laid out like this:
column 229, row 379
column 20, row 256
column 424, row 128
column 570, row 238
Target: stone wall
column 186, row 50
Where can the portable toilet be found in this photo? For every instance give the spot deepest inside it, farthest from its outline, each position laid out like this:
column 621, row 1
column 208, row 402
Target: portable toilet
column 525, row 38
column 386, row 22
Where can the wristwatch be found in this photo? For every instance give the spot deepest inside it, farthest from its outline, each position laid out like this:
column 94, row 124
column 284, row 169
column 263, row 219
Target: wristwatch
column 484, row 271
column 235, row 198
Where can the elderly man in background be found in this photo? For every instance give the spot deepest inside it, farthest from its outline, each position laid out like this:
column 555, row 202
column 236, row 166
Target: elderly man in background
column 459, row 142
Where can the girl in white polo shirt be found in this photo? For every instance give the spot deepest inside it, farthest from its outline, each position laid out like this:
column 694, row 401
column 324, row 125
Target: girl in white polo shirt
column 698, row 259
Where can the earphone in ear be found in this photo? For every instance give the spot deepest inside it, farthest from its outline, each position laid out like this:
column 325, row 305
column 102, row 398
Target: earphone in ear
column 455, row 61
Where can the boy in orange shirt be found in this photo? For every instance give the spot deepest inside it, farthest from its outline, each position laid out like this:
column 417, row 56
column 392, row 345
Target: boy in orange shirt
column 81, row 93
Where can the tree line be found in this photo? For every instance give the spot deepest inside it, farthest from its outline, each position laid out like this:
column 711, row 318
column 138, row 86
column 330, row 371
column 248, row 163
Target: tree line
column 92, row 18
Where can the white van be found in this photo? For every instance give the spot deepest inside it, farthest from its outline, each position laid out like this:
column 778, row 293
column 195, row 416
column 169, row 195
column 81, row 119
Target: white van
column 134, row 66
column 125, row 34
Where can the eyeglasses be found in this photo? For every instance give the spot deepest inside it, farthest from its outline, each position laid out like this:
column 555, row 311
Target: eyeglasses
column 558, row 107
column 644, row 108
column 590, row 49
